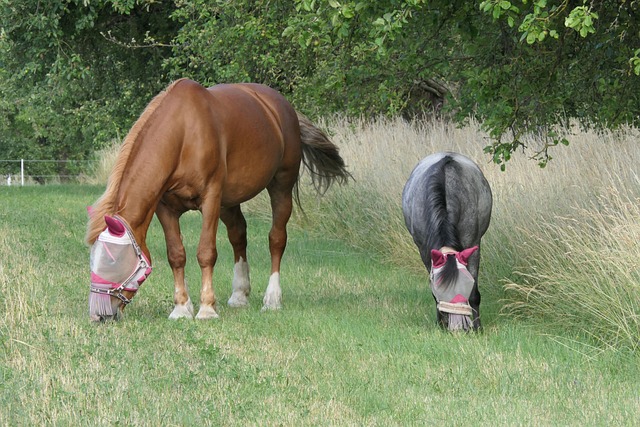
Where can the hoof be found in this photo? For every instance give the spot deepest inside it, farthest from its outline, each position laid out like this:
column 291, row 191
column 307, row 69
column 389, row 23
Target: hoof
column 271, row 305
column 182, row 311
column 207, row 312
column 273, row 296
column 238, row 299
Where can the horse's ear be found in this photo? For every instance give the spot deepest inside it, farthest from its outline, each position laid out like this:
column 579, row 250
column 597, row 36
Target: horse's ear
column 116, row 228
column 438, row 259
column 463, row 256
column 90, row 211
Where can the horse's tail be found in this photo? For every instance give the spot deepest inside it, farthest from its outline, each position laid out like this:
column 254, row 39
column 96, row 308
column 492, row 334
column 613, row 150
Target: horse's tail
column 443, row 231
column 321, row 157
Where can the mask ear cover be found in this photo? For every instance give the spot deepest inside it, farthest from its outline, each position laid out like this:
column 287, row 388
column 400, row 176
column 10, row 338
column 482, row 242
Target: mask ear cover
column 463, row 256
column 115, row 227
column 438, row 259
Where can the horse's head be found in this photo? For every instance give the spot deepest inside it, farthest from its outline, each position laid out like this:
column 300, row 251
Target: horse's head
column 118, row 268
column 451, row 285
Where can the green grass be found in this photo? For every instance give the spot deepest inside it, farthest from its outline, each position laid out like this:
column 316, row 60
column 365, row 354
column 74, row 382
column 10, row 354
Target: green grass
column 355, row 344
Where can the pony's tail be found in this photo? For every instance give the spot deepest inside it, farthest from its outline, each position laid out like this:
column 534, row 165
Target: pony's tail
column 321, row 157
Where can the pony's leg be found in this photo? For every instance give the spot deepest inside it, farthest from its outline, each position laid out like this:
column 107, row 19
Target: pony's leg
column 208, row 253
column 474, row 302
column 441, row 319
column 281, row 206
column 474, row 298
column 177, row 259
column 237, row 233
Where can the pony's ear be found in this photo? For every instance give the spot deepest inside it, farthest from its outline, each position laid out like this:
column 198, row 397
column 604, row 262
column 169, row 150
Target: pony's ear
column 116, row 228
column 90, row 211
column 463, row 256
column 438, row 259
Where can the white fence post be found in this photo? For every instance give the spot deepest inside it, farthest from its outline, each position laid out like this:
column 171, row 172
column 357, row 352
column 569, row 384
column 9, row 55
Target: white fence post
column 12, row 177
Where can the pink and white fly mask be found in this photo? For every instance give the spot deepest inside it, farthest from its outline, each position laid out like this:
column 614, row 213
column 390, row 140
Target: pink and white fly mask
column 117, row 265
column 452, row 286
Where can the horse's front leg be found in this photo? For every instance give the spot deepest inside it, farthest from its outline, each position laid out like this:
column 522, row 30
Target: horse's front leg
column 474, row 299
column 169, row 219
column 474, row 302
column 208, row 254
column 237, row 233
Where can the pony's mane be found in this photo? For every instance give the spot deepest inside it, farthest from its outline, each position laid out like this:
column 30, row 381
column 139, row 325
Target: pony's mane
column 442, row 231
column 106, row 204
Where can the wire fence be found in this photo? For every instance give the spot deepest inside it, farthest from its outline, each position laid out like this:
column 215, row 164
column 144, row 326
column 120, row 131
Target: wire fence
column 35, row 171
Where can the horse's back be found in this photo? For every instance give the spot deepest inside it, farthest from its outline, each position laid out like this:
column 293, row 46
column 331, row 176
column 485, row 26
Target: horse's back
column 451, row 182
column 260, row 105
column 421, row 172
column 238, row 113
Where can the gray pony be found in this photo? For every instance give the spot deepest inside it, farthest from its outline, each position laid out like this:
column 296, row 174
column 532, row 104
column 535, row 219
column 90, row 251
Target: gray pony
column 447, row 208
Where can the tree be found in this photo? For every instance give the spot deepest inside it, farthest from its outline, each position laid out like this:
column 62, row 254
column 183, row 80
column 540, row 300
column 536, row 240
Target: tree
column 560, row 61
column 67, row 87
column 519, row 67
column 76, row 73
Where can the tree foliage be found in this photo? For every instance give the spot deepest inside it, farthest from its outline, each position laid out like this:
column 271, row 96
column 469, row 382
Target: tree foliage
column 561, row 61
column 66, row 87
column 76, row 73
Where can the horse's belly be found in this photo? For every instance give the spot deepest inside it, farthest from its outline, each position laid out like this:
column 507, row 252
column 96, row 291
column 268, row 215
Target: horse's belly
column 240, row 187
column 181, row 201
column 248, row 172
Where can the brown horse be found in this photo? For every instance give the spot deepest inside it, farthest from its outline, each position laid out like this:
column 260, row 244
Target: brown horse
column 209, row 150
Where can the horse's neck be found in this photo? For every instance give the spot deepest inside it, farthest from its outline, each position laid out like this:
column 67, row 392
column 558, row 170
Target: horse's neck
column 151, row 161
column 139, row 194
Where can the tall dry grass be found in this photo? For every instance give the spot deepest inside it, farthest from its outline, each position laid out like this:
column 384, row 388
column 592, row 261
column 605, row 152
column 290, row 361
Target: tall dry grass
column 562, row 248
column 572, row 233
column 582, row 270
column 105, row 159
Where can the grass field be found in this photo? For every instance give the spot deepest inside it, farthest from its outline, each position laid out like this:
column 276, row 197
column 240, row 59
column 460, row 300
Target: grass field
column 355, row 343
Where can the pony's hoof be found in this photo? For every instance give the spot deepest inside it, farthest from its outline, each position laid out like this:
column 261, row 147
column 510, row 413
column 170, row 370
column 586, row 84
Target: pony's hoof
column 238, row 299
column 206, row 312
column 182, row 311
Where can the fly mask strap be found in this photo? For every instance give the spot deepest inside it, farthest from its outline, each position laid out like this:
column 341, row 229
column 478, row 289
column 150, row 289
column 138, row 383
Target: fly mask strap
column 455, row 308
column 143, row 264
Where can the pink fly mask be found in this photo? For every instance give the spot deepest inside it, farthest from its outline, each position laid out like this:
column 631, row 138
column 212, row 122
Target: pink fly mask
column 452, row 285
column 117, row 264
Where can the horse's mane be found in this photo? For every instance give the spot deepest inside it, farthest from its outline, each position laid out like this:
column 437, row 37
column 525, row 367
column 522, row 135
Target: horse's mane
column 106, row 204
column 442, row 232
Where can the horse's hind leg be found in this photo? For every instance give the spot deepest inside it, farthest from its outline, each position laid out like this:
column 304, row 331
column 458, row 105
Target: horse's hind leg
column 177, row 259
column 281, row 206
column 237, row 233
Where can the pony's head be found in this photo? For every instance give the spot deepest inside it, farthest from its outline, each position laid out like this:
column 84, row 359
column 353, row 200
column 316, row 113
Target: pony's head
column 118, row 268
column 451, row 285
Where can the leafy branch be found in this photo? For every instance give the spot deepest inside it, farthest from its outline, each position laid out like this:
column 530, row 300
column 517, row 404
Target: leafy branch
column 148, row 42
